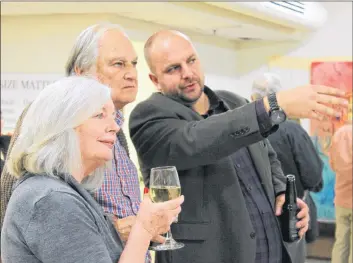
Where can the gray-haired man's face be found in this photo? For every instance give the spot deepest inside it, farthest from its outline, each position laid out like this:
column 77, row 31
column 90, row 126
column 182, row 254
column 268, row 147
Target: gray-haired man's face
column 116, row 67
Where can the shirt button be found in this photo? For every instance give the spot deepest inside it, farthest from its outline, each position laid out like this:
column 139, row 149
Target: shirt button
column 249, row 188
column 238, row 165
column 252, row 235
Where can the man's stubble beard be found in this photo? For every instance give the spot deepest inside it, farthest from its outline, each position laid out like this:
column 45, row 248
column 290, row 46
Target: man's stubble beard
column 181, row 95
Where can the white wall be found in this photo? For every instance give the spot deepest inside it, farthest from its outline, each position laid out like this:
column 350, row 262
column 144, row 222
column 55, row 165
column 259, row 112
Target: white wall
column 331, row 43
column 36, row 48
column 40, row 44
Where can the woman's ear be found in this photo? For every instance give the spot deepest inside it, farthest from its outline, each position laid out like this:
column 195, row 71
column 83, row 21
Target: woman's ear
column 78, row 71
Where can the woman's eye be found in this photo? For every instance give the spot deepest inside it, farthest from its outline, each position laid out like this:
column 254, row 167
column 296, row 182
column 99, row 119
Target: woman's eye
column 99, row 116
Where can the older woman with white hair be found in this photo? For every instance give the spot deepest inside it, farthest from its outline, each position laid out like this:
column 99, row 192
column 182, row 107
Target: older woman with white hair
column 66, row 140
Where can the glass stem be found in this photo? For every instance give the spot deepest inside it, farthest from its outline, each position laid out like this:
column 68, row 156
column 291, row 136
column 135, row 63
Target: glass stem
column 168, row 237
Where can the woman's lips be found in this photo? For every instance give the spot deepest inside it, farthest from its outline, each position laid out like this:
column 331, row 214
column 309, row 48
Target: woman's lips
column 109, row 144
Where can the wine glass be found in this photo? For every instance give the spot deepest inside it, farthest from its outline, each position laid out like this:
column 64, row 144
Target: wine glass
column 165, row 186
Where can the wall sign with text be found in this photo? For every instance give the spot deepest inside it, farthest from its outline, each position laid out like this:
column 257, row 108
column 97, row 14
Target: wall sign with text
column 17, row 90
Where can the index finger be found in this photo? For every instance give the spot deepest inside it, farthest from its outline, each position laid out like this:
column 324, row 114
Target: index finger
column 329, row 90
column 333, row 100
column 172, row 204
column 160, row 239
column 301, row 204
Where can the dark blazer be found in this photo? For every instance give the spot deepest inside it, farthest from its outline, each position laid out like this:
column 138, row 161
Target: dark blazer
column 298, row 156
column 214, row 223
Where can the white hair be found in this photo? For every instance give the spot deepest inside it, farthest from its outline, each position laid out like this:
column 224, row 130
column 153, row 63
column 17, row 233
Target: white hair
column 84, row 53
column 48, row 143
column 266, row 84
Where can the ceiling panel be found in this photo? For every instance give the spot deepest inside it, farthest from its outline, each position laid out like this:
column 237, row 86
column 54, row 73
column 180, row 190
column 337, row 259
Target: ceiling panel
column 197, row 17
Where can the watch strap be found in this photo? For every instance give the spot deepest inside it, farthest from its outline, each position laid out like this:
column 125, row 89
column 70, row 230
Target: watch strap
column 272, row 101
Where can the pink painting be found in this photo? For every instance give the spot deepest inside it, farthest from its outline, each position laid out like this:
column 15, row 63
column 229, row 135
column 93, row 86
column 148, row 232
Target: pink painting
column 339, row 75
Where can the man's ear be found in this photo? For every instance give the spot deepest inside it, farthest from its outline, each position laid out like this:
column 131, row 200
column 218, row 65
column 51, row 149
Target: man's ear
column 154, row 79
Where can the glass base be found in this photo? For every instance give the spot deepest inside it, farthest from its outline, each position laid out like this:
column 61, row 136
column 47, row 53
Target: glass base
column 170, row 244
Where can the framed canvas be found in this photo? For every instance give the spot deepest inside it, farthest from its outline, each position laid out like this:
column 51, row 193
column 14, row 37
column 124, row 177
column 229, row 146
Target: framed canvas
column 339, row 75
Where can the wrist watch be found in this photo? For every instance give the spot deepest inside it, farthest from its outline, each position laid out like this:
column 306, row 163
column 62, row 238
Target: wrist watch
column 277, row 115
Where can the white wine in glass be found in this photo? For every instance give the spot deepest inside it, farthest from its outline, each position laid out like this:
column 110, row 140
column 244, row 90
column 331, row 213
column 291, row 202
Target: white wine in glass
column 160, row 193
column 165, row 186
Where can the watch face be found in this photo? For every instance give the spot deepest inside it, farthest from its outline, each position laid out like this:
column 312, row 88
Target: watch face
column 278, row 116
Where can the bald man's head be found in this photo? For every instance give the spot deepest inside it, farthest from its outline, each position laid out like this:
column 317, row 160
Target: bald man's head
column 161, row 39
column 174, row 65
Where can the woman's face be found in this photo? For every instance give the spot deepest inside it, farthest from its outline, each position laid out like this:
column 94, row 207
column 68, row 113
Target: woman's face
column 97, row 136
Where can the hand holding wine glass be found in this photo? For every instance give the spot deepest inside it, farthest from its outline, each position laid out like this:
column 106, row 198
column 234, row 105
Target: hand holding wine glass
column 165, row 186
column 156, row 218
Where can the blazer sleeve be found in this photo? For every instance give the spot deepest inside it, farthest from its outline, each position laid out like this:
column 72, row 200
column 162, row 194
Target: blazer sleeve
column 162, row 137
column 306, row 158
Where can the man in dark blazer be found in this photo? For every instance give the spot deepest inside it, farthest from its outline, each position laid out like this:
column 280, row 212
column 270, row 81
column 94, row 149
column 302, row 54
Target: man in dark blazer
column 298, row 156
column 229, row 173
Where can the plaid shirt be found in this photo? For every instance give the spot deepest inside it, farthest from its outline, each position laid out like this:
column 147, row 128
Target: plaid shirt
column 266, row 230
column 120, row 191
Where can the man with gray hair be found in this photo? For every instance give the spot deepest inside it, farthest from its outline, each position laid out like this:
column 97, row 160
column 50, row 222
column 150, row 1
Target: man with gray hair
column 298, row 156
column 105, row 52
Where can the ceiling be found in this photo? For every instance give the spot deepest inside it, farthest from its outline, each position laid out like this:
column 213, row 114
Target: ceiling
column 198, row 17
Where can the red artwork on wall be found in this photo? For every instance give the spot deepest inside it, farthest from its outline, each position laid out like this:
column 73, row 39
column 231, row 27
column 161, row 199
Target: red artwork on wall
column 333, row 74
column 339, row 75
